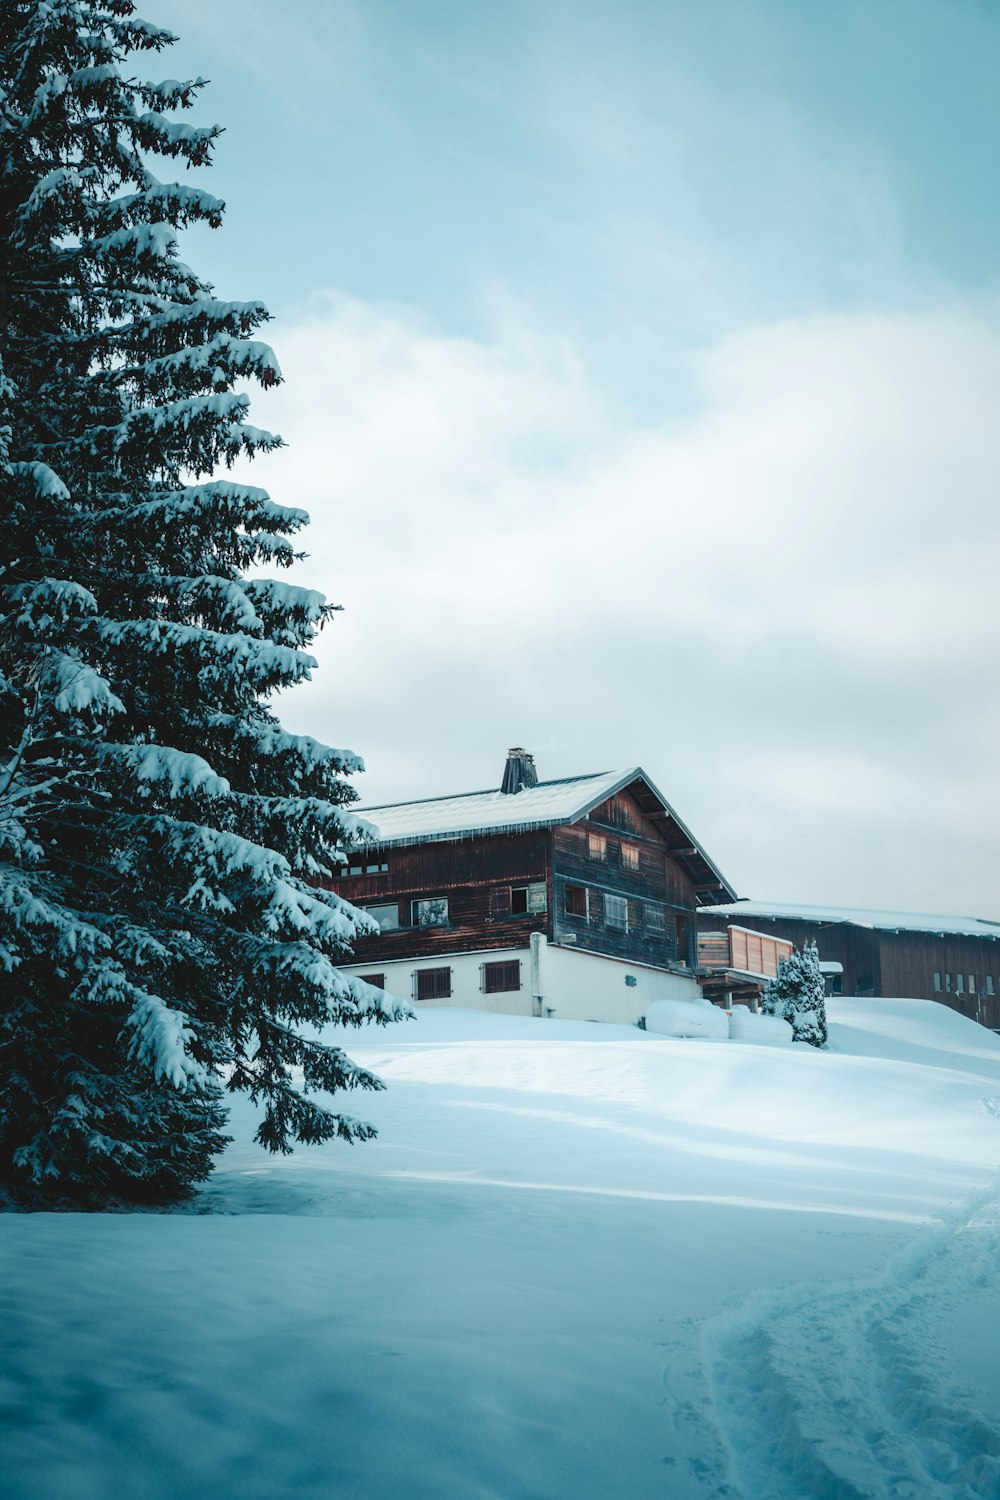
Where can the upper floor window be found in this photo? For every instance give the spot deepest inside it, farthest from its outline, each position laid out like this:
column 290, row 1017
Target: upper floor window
column 597, row 846
column 432, row 911
column 386, row 915
column 616, row 912
column 376, row 869
column 377, row 980
column 529, row 898
column 937, row 980
column 989, row 985
column 947, row 983
column 959, row 984
column 576, row 901
column 972, row 984
column 655, row 919
column 630, row 856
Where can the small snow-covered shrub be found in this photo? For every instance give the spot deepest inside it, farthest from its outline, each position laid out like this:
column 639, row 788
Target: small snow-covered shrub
column 797, row 994
column 687, row 1018
column 745, row 1026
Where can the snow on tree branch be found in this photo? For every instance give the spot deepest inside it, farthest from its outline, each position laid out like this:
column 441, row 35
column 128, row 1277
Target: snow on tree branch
column 163, row 840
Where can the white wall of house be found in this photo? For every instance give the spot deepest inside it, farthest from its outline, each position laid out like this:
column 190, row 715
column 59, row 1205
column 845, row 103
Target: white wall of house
column 562, row 982
column 581, row 986
column 466, row 979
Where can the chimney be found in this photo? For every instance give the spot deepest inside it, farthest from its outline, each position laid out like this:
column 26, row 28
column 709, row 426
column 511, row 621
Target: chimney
column 519, row 772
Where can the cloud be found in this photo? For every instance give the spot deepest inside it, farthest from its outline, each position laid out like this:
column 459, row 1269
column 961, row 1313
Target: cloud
column 783, row 605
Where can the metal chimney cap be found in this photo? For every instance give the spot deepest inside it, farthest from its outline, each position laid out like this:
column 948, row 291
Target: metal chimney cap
column 519, row 773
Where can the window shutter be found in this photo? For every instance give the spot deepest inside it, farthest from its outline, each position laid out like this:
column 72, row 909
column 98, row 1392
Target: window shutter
column 500, row 901
column 503, row 977
column 538, row 897
column 433, row 984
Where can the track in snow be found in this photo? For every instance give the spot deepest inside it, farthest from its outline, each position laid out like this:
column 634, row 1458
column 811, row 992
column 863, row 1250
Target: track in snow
column 837, row 1392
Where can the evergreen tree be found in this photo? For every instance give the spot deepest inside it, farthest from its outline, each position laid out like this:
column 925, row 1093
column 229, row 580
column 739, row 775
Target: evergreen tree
column 160, row 834
column 797, row 994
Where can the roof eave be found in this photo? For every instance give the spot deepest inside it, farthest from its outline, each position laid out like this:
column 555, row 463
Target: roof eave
column 453, row 835
column 637, row 773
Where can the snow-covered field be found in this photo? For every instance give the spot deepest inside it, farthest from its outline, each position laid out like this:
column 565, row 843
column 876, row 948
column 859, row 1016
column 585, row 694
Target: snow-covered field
column 581, row 1261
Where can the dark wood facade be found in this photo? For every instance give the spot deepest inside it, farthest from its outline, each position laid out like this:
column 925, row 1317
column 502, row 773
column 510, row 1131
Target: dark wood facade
column 471, row 874
column 961, row 971
column 618, row 851
column 618, row 881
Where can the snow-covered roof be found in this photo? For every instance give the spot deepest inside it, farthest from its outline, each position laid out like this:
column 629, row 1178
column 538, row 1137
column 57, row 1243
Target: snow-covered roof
column 546, row 805
column 854, row 916
column 540, row 806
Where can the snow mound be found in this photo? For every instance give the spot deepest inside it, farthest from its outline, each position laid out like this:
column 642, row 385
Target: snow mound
column 687, row 1018
column 895, row 1027
column 745, row 1026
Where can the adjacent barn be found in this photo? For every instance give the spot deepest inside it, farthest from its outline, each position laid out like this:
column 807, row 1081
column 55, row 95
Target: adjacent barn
column 955, row 960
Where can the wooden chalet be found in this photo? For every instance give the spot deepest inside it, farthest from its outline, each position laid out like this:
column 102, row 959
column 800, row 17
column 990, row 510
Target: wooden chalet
column 575, row 897
column 955, row 960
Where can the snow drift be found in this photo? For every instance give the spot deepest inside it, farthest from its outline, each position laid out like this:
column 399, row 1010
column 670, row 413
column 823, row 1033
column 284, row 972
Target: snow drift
column 579, row 1261
column 686, row 1018
column 746, row 1026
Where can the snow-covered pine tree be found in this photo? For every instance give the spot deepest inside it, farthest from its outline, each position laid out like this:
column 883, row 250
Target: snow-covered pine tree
column 797, row 994
column 159, row 831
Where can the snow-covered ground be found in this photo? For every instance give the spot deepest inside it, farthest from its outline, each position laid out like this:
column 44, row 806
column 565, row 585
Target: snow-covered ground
column 581, row 1261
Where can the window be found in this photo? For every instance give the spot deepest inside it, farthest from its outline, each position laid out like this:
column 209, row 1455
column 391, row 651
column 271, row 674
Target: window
column 376, row 869
column 947, row 983
column 655, row 919
column 377, row 980
column 576, row 901
column 972, row 984
column 989, row 985
column 937, row 981
column 433, row 984
column 499, row 979
column 356, row 870
column 431, row 912
column 387, row 916
column 630, row 856
column 864, row 985
column 616, row 912
column 959, row 984
column 597, row 846
column 529, row 898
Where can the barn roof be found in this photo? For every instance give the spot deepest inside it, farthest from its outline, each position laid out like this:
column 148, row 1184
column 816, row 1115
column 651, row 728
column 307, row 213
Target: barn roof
column 546, row 805
column 855, row 916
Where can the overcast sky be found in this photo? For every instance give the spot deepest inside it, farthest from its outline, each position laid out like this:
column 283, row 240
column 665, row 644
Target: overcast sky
column 642, row 376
